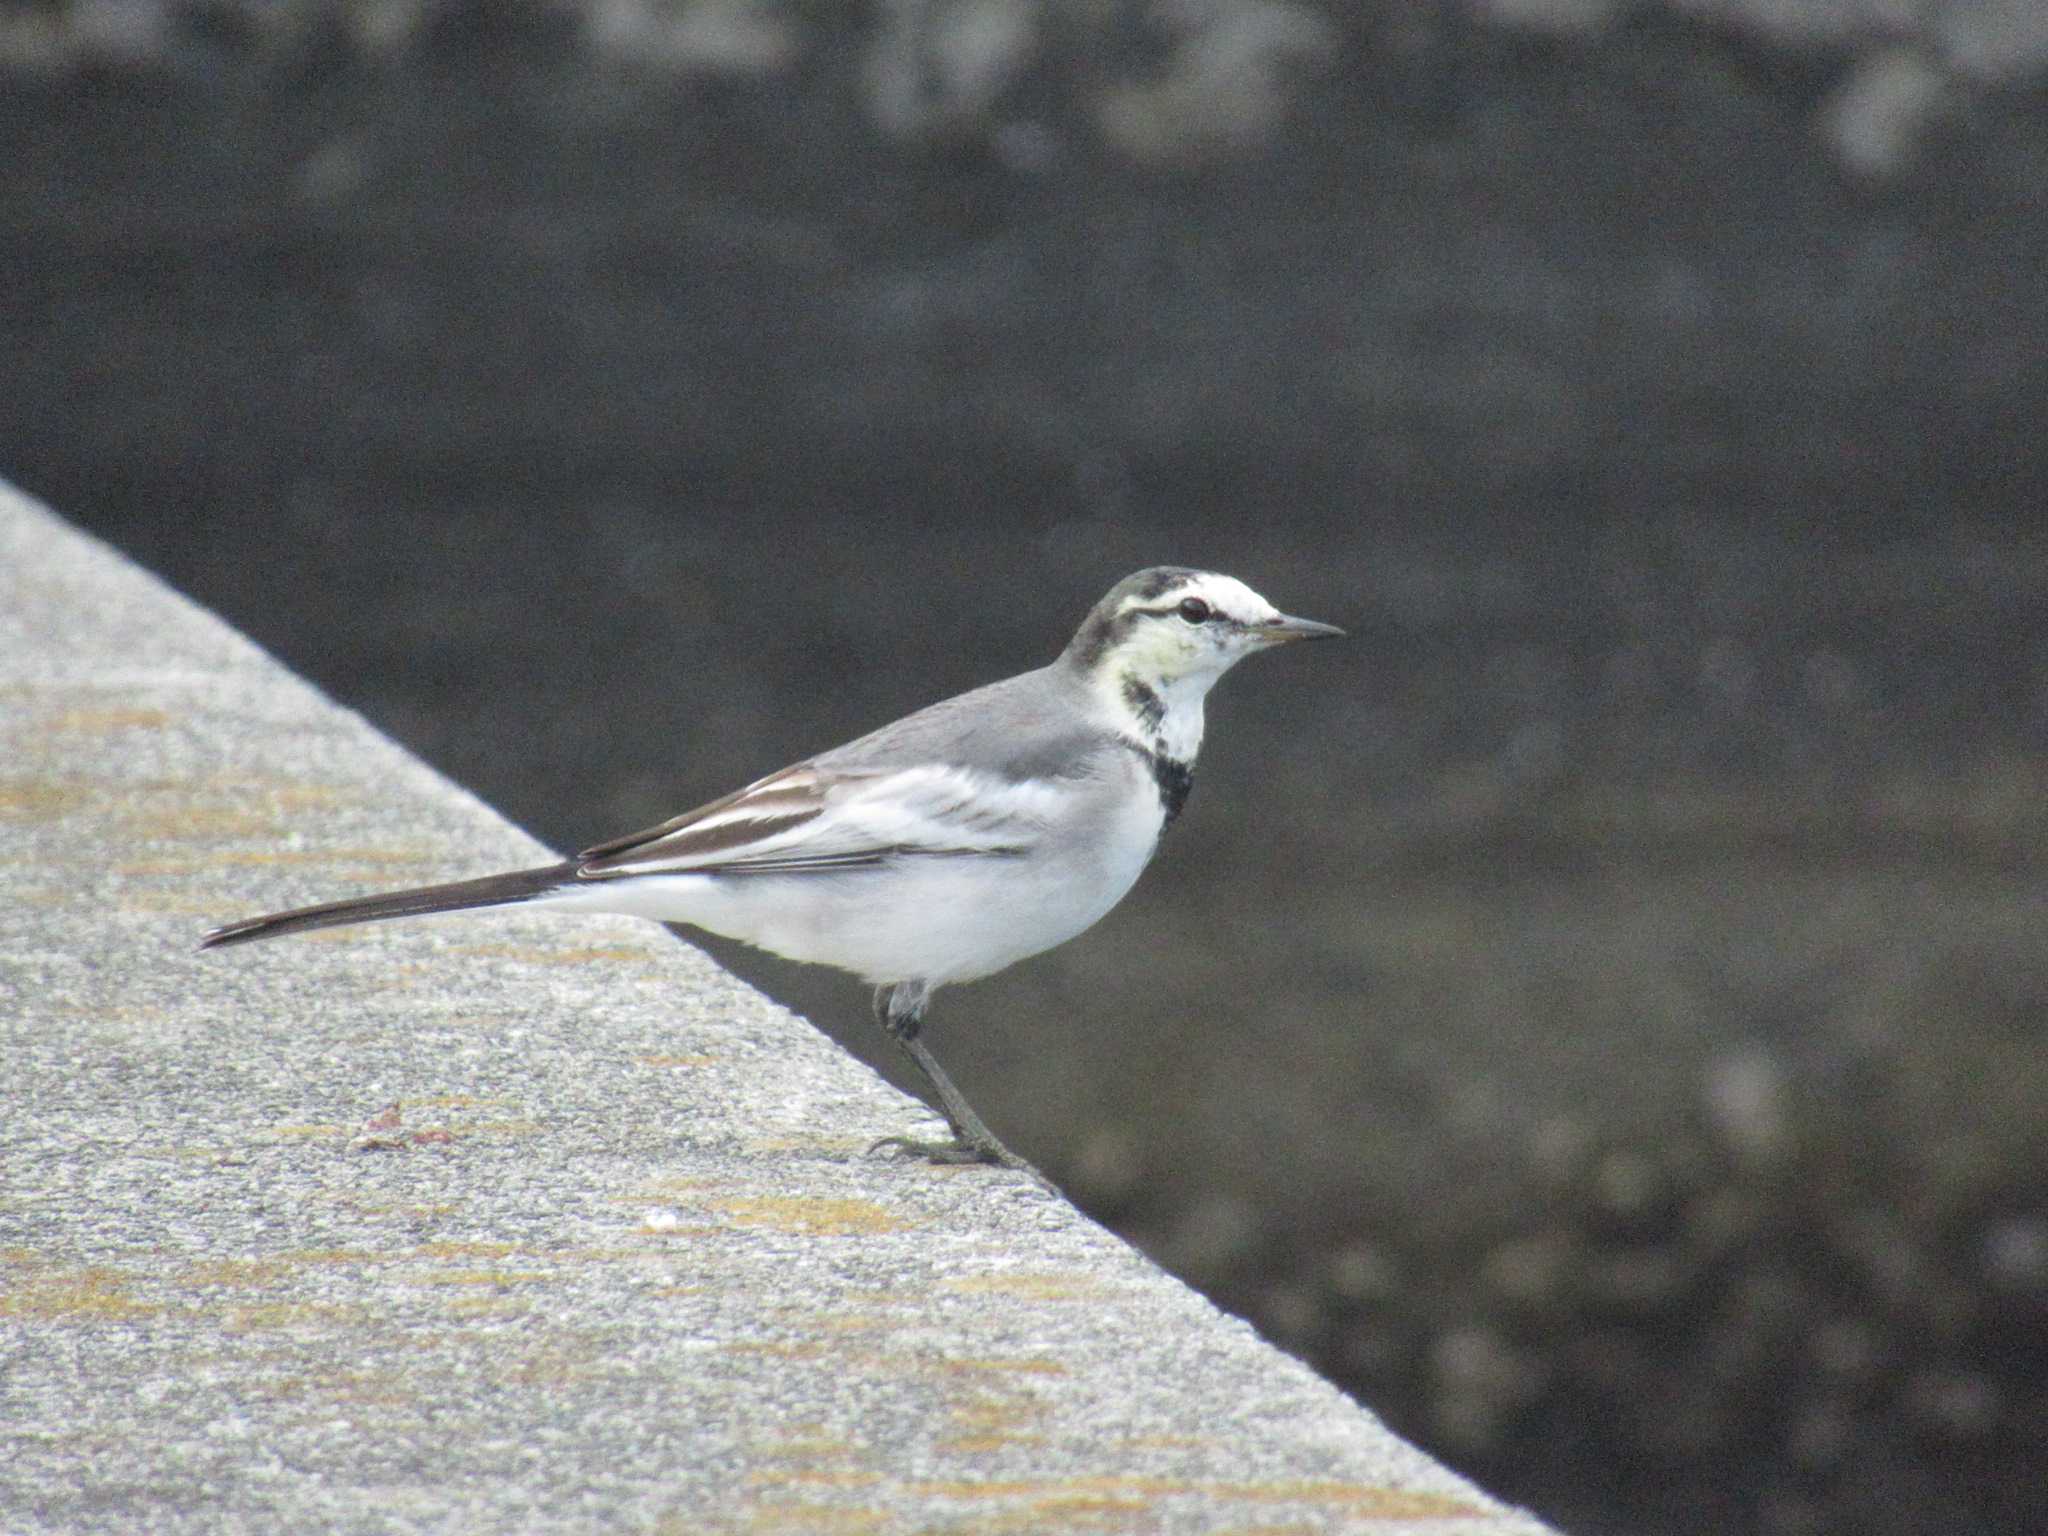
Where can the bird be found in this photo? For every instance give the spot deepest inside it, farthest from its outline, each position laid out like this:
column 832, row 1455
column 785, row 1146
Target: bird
column 939, row 849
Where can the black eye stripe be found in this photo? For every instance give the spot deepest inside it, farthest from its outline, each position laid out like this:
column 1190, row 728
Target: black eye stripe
column 1213, row 615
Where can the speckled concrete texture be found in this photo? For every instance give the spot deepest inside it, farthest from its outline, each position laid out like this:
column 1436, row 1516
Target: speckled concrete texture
column 512, row 1222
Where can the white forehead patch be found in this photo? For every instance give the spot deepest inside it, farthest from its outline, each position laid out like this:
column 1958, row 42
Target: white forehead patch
column 1226, row 594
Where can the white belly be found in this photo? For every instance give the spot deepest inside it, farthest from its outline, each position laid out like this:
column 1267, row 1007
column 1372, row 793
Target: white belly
column 936, row 919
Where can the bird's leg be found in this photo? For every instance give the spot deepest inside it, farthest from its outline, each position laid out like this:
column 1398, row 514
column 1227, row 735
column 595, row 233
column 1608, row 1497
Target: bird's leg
column 900, row 1012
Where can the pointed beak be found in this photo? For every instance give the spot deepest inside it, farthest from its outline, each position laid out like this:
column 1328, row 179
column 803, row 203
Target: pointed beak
column 1286, row 627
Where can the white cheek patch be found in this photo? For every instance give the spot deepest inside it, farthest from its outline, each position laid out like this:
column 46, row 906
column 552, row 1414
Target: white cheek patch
column 1159, row 647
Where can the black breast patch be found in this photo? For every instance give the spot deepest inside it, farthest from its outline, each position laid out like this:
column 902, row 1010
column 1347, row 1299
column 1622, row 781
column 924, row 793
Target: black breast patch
column 1174, row 778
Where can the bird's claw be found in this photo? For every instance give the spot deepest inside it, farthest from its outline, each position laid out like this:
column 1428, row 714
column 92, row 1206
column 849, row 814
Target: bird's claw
column 950, row 1153
column 958, row 1151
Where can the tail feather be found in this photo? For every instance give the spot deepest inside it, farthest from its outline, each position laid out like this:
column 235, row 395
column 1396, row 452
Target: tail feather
column 490, row 891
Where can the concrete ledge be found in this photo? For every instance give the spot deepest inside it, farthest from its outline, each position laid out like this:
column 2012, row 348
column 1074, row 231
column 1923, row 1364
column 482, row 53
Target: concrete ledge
column 618, row 1263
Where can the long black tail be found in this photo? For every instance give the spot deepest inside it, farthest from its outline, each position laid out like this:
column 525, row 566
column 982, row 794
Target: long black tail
column 490, row 891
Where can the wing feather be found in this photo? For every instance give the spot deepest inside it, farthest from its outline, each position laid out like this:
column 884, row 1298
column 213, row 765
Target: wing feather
column 806, row 819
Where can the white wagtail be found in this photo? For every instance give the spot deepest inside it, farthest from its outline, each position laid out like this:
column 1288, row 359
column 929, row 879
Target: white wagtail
column 941, row 848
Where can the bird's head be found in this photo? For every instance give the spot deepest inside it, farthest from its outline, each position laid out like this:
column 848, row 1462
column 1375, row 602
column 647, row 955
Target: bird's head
column 1171, row 632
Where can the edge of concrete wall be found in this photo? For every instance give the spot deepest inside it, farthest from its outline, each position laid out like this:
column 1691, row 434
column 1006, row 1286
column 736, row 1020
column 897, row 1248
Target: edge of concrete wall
column 619, row 1260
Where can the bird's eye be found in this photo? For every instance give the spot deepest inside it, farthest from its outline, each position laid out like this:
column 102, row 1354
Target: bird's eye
column 1195, row 611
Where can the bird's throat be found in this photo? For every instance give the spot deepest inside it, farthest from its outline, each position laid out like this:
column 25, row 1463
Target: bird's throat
column 1167, row 715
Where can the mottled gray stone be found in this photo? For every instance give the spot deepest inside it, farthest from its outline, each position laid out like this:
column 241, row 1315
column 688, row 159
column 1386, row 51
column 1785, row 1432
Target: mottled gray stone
column 618, row 1261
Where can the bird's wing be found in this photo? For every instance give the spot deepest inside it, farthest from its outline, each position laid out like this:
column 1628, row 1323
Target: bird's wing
column 812, row 818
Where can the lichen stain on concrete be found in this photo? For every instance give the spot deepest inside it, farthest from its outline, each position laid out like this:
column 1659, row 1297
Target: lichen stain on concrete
column 672, row 1234
column 1019, row 1366
column 466, row 1250
column 1035, row 1286
column 1093, row 1508
column 435, row 1133
column 811, row 1215
column 555, row 1366
column 1106, row 1501
column 841, row 1322
column 797, row 1518
column 251, row 1271
column 807, row 1144
column 275, row 1272
column 1168, row 1442
column 809, row 1439
column 106, row 719
column 271, row 1316
column 345, row 1256
column 823, row 1477
column 53, row 1292
column 375, row 1388
column 276, row 794
column 187, row 821
column 484, row 1277
column 488, row 1306
column 994, row 1415
column 984, row 1445
column 233, row 1273
column 783, row 1349
column 415, row 1209
column 666, row 1192
column 822, row 1518
column 1114, row 1494
column 1098, row 1485
column 38, row 799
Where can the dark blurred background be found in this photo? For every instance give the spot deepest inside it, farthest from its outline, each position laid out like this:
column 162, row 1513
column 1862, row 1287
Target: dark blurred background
column 1596, row 1013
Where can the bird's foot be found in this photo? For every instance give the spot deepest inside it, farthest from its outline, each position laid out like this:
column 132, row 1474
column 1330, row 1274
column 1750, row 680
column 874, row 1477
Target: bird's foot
column 958, row 1151
column 950, row 1153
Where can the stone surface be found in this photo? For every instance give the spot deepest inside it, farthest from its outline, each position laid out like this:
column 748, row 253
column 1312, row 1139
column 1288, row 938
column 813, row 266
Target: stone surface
column 505, row 1223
